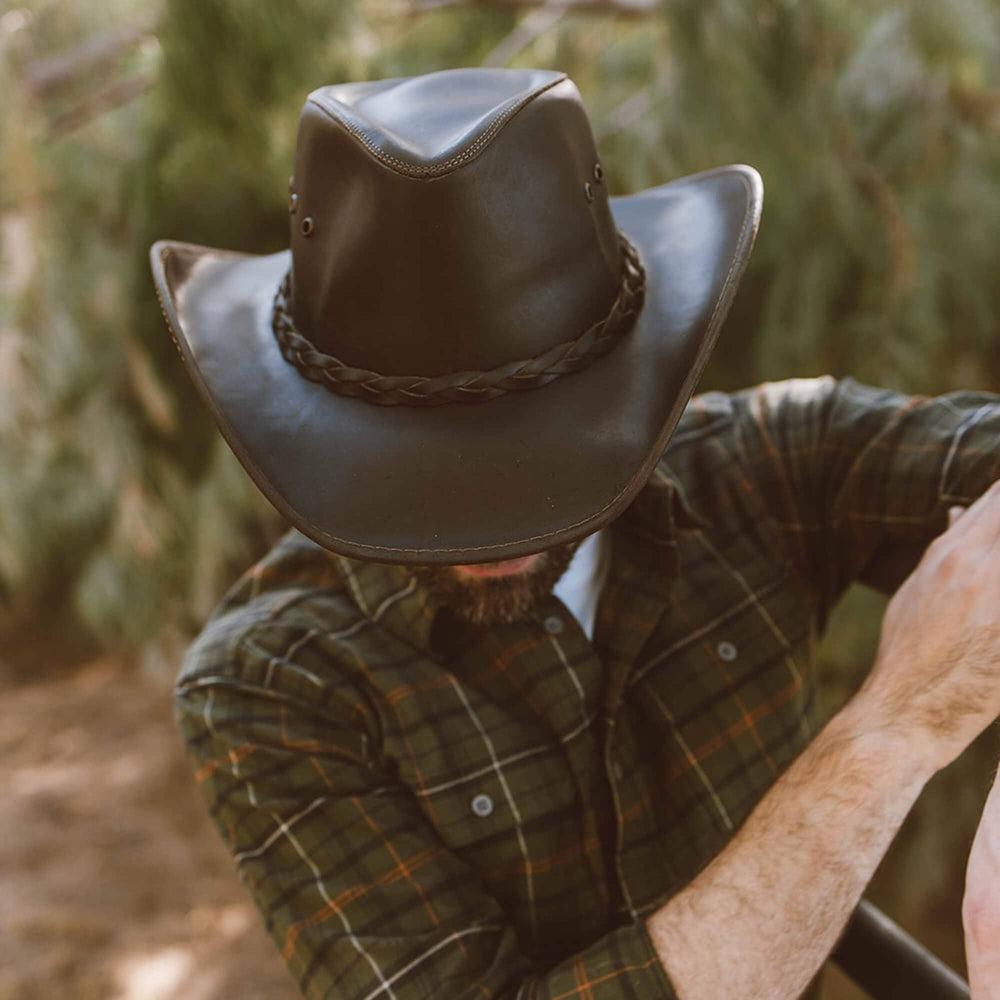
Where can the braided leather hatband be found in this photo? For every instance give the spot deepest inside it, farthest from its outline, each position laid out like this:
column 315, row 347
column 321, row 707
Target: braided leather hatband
column 468, row 386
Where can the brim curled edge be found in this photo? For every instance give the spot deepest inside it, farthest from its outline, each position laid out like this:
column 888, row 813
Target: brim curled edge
column 467, row 482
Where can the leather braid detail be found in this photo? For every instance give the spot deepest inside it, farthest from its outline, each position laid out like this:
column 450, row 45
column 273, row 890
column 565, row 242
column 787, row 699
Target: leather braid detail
column 469, row 386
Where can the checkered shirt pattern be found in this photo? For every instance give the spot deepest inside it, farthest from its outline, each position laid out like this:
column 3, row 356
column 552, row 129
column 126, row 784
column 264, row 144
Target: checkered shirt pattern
column 422, row 808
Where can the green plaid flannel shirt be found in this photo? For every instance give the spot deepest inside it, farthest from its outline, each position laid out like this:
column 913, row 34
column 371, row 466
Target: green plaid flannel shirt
column 421, row 808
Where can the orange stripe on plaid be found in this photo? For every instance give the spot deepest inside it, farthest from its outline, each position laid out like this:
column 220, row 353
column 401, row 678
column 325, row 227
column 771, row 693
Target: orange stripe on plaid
column 317, row 746
column 749, row 719
column 319, row 770
column 401, row 865
column 736, row 728
column 405, row 690
column 509, row 655
column 353, row 893
column 643, row 802
column 633, row 812
column 758, row 408
column 229, row 758
column 421, row 780
column 584, row 986
column 544, row 865
column 314, row 746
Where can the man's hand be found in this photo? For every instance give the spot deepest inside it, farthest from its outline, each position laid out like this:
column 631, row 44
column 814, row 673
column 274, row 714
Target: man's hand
column 981, row 902
column 981, row 905
column 936, row 678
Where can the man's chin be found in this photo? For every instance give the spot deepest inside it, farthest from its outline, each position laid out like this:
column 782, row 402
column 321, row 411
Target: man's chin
column 496, row 570
column 497, row 597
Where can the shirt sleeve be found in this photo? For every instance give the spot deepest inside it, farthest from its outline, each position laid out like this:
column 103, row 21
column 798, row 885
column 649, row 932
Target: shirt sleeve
column 860, row 478
column 355, row 887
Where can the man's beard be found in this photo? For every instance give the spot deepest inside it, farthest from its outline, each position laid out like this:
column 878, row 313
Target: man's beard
column 496, row 600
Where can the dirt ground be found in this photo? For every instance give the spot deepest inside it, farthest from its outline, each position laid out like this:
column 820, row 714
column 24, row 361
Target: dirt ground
column 113, row 883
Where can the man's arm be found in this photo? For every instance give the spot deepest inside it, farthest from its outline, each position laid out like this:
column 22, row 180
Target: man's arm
column 356, row 888
column 761, row 918
column 764, row 915
column 859, row 479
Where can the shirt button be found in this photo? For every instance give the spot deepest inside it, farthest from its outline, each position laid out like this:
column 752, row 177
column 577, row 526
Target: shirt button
column 553, row 625
column 726, row 651
column 482, row 805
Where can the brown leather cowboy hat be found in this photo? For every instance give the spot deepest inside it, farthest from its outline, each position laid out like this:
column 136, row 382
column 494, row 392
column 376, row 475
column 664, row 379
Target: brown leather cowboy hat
column 470, row 352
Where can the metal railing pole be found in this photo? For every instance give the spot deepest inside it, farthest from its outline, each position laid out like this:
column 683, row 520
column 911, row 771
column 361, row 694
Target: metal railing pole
column 888, row 964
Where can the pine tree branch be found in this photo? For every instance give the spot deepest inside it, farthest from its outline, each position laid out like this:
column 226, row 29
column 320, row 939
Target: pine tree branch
column 53, row 72
column 627, row 8
column 105, row 99
column 530, row 28
column 628, row 114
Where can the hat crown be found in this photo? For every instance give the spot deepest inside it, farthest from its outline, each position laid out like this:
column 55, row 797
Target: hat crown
column 449, row 222
column 425, row 126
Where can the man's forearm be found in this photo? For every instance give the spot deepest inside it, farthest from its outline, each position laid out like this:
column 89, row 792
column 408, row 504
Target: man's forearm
column 762, row 917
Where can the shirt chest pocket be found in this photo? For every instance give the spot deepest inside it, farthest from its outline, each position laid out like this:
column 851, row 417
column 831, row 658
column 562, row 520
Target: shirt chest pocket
column 727, row 681
column 487, row 810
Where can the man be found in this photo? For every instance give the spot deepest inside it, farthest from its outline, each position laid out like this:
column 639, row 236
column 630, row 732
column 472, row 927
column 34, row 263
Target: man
column 444, row 763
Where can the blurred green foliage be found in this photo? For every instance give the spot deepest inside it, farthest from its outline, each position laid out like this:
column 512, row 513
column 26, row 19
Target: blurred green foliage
column 876, row 127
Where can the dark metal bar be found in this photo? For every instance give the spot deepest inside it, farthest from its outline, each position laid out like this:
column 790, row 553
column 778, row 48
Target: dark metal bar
column 888, row 964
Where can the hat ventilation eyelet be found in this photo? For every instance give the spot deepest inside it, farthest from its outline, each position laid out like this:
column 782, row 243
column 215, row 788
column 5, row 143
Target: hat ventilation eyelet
column 308, row 226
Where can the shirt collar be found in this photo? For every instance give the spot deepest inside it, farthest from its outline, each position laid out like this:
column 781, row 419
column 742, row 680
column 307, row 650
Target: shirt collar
column 644, row 543
column 649, row 526
column 387, row 593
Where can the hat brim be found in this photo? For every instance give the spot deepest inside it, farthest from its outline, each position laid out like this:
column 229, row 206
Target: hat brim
column 467, row 482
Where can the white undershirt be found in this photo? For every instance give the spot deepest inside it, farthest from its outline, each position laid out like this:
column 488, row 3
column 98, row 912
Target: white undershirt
column 579, row 588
